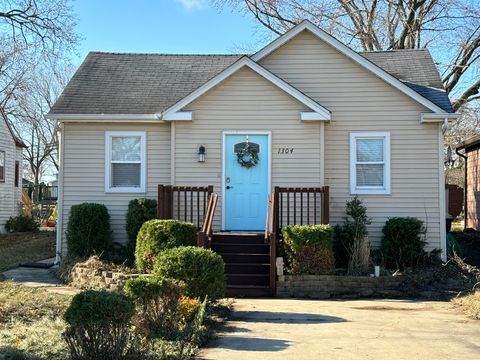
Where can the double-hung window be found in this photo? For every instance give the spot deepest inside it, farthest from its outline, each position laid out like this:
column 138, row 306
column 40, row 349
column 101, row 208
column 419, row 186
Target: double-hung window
column 2, row 166
column 370, row 163
column 125, row 161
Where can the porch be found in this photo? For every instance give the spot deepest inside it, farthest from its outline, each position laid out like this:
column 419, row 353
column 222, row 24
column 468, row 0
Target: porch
column 249, row 255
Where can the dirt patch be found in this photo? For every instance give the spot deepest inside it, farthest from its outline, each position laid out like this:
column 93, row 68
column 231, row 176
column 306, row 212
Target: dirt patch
column 17, row 248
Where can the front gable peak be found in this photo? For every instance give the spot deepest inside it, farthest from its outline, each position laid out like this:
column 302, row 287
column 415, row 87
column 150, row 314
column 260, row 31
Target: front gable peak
column 318, row 111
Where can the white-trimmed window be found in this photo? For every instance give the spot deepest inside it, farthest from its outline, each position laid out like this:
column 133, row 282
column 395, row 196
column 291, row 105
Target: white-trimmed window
column 370, row 163
column 125, row 161
column 2, row 166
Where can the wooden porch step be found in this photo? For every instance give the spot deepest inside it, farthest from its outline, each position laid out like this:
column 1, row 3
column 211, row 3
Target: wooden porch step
column 248, row 279
column 248, row 290
column 247, row 268
column 240, row 248
column 234, row 258
column 238, row 238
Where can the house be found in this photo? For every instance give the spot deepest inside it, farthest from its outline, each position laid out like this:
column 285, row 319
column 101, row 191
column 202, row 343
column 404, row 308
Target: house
column 471, row 154
column 304, row 115
column 10, row 172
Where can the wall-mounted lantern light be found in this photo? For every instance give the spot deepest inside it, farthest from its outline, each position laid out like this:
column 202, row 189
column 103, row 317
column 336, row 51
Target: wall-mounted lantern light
column 201, row 153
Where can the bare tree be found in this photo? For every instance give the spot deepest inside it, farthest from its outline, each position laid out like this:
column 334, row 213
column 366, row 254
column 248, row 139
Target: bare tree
column 37, row 38
column 40, row 134
column 449, row 28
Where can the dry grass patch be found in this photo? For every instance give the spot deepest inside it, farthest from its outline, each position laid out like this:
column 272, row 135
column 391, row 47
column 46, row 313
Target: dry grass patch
column 470, row 304
column 17, row 248
column 31, row 323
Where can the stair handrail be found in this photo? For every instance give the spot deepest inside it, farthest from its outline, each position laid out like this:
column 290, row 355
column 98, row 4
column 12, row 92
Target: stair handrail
column 205, row 234
column 271, row 237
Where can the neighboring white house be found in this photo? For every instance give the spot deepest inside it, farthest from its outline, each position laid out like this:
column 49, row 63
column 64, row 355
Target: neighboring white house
column 316, row 112
column 10, row 172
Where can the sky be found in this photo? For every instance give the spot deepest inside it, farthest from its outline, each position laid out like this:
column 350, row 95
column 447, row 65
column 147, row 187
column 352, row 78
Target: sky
column 164, row 26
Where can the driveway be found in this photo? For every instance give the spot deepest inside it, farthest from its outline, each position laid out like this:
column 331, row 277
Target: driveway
column 367, row 329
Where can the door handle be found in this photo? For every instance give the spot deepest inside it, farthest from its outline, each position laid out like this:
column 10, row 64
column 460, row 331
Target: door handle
column 228, row 187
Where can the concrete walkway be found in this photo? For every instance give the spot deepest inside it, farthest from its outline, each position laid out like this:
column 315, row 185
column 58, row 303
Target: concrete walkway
column 38, row 277
column 368, row 329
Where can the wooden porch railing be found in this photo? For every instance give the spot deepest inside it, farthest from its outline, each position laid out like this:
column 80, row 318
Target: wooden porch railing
column 293, row 206
column 271, row 238
column 185, row 203
column 301, row 206
column 204, row 236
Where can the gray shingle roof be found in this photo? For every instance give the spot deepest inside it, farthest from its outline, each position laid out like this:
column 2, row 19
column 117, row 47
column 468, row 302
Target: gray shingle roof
column 416, row 69
column 113, row 83
column 119, row 83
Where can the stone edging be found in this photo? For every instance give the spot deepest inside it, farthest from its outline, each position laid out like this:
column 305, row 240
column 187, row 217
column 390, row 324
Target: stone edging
column 326, row 286
column 85, row 277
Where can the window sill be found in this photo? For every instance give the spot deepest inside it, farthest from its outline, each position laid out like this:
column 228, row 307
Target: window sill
column 125, row 190
column 370, row 192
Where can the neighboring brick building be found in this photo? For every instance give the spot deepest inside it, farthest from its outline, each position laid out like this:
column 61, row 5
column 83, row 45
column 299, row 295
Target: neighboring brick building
column 472, row 181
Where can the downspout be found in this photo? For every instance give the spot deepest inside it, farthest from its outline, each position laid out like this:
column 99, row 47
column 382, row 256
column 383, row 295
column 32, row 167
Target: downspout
column 59, row 235
column 464, row 187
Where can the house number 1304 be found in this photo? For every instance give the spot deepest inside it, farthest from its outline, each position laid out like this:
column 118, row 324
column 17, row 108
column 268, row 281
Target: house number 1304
column 285, row 150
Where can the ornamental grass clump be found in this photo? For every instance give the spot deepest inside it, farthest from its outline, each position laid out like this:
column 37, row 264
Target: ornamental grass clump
column 98, row 325
column 156, row 236
column 309, row 249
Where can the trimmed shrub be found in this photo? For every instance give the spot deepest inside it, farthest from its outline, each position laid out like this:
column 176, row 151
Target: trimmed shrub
column 309, row 249
column 200, row 269
column 139, row 211
column 98, row 325
column 21, row 223
column 157, row 301
column 403, row 242
column 88, row 231
column 158, row 235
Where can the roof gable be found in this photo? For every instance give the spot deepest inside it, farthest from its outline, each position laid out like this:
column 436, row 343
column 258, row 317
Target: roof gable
column 322, row 112
column 414, row 91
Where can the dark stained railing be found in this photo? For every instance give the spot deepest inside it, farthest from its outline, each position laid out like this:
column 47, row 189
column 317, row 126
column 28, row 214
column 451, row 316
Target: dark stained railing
column 185, row 203
column 271, row 238
column 301, row 206
column 204, row 236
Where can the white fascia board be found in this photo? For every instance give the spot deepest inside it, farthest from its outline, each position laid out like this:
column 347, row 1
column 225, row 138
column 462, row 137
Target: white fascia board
column 103, row 117
column 176, row 116
column 432, row 118
column 312, row 116
column 338, row 45
column 246, row 61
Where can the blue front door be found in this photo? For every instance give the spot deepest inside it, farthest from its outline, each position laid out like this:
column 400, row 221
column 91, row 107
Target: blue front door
column 246, row 188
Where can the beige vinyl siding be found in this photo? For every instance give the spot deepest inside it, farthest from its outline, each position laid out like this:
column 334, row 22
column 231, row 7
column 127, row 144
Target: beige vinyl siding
column 84, row 169
column 361, row 102
column 247, row 101
column 10, row 196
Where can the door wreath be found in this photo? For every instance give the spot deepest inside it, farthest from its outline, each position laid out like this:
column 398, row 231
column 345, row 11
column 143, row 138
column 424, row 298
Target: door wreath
column 247, row 156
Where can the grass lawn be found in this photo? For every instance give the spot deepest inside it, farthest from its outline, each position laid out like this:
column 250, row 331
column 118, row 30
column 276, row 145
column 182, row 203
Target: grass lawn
column 24, row 247
column 31, row 323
